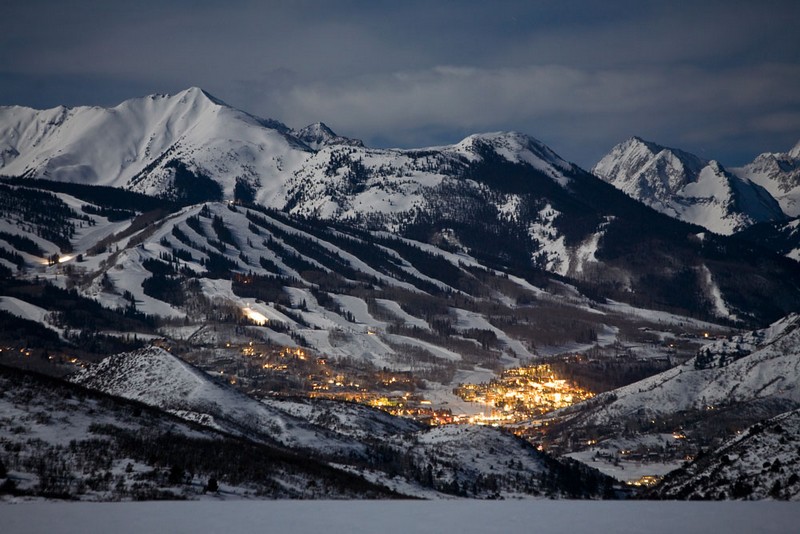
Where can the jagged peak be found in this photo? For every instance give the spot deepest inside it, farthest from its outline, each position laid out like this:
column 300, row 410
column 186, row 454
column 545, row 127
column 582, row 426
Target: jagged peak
column 318, row 128
column 660, row 150
column 635, row 141
column 636, row 155
column 716, row 166
column 516, row 147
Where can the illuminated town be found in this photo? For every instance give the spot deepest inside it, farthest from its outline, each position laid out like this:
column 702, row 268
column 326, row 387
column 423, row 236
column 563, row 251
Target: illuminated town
column 517, row 396
column 514, row 399
column 521, row 394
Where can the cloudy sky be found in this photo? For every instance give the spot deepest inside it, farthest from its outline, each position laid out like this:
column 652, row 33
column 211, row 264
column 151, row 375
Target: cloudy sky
column 718, row 78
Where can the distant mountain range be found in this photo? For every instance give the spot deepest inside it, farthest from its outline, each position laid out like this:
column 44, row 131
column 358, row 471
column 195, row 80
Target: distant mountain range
column 504, row 198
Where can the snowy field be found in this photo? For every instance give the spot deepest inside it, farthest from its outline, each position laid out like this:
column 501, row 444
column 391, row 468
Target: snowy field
column 402, row 517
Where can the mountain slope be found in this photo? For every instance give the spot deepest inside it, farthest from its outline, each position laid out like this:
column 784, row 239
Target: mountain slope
column 731, row 384
column 62, row 441
column 686, row 187
column 781, row 237
column 157, row 378
column 763, row 363
column 761, row 463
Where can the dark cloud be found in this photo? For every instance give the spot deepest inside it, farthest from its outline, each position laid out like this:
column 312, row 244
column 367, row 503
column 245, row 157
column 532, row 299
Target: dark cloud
column 721, row 78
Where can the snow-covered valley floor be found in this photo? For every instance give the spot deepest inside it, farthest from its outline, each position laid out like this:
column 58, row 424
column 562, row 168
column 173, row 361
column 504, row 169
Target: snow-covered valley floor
column 402, row 517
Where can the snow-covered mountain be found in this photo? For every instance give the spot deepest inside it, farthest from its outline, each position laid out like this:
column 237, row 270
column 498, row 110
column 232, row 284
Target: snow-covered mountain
column 505, row 197
column 170, row 145
column 408, row 271
column 778, row 173
column 162, row 145
column 155, row 377
column 687, row 187
column 192, row 147
column 651, row 427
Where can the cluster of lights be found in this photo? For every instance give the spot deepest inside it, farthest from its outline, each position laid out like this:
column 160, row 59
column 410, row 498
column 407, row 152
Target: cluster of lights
column 647, row 481
column 520, row 394
column 414, row 407
column 27, row 353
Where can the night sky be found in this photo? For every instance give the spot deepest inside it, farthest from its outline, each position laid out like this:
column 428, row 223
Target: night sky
column 717, row 78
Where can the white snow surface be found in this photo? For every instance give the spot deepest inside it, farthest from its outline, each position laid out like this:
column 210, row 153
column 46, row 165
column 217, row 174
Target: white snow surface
column 26, row 310
column 135, row 144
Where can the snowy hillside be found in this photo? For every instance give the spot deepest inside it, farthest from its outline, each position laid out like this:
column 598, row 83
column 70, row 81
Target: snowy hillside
column 62, row 441
column 778, row 173
column 761, row 463
column 782, row 237
column 155, row 377
column 740, row 369
column 357, row 182
column 686, row 187
column 642, row 431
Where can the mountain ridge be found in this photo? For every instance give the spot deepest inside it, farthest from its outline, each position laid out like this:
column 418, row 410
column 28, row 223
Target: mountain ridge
column 687, row 187
column 503, row 197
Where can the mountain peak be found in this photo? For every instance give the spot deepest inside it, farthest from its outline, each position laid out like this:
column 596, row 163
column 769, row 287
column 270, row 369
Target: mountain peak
column 318, row 135
column 637, row 141
column 686, row 186
column 518, row 147
column 320, row 128
column 634, row 164
column 198, row 95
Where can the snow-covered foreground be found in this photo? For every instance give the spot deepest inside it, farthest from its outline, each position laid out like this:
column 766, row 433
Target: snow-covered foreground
column 390, row 517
